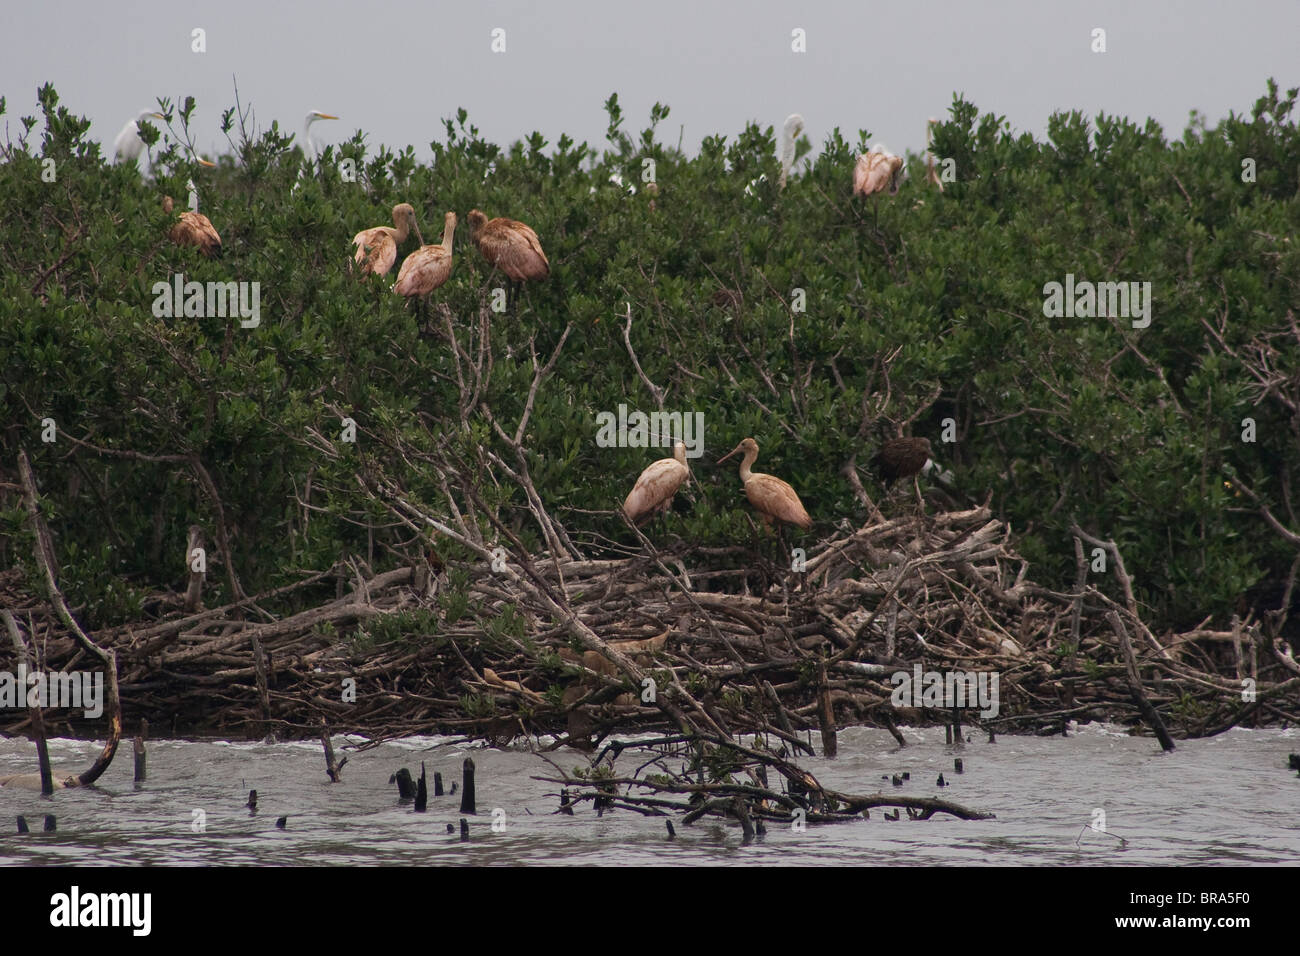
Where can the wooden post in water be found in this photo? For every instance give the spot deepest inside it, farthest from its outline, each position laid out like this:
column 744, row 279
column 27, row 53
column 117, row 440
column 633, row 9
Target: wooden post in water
column 332, row 767
column 826, row 718
column 467, row 792
column 140, row 755
column 37, row 718
column 437, row 784
column 422, row 791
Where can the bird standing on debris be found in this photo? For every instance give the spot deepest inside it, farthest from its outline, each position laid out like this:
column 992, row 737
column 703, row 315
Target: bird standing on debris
column 653, row 492
column 772, row 498
column 902, row 458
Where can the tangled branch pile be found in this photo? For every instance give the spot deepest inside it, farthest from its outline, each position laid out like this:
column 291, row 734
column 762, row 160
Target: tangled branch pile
column 709, row 641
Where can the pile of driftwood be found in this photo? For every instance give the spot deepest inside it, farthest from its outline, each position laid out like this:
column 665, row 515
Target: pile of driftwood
column 719, row 643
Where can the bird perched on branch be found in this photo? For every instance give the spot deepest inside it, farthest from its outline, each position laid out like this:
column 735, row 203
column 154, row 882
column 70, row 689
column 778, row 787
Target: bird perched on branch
column 377, row 246
column 772, row 498
column 653, row 492
column 427, row 267
column 193, row 228
column 876, row 171
column 511, row 246
column 901, row 458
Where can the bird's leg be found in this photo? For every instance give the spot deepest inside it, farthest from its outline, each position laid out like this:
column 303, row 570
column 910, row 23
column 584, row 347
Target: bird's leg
column 916, row 484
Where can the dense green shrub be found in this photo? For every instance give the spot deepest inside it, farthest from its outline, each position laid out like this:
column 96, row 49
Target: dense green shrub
column 1130, row 431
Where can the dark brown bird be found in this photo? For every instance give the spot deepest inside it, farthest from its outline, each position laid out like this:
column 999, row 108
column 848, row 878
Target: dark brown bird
column 901, row 458
column 727, row 299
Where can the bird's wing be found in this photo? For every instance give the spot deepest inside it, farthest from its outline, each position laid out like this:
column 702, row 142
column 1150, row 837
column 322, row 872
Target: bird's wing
column 775, row 497
column 521, row 255
column 534, row 244
column 378, row 251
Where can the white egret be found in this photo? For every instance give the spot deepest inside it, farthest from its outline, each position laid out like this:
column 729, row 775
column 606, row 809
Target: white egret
column 309, row 145
column 128, row 145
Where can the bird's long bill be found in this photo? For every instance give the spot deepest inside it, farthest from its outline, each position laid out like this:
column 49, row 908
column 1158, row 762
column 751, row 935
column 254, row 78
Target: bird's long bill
column 326, row 116
column 733, row 451
column 204, row 162
column 418, row 235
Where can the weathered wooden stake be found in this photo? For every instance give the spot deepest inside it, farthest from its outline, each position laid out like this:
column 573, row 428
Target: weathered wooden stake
column 826, row 718
column 140, row 755
column 332, row 767
column 421, row 791
column 37, row 717
column 467, row 788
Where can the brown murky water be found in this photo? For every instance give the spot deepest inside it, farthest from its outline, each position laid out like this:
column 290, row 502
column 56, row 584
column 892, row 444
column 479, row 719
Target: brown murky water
column 1226, row 800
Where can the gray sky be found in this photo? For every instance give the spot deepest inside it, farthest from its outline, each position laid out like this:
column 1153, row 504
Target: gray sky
column 396, row 68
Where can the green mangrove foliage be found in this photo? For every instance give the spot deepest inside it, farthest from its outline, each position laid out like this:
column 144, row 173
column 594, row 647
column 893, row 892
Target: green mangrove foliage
column 838, row 320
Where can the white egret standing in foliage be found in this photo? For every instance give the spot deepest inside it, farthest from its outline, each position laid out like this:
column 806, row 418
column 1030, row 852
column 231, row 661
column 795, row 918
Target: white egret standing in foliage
column 310, row 147
column 128, row 145
column 789, row 133
column 793, row 127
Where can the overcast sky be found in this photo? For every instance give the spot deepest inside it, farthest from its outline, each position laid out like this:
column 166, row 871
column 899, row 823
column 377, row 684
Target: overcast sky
column 395, row 68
